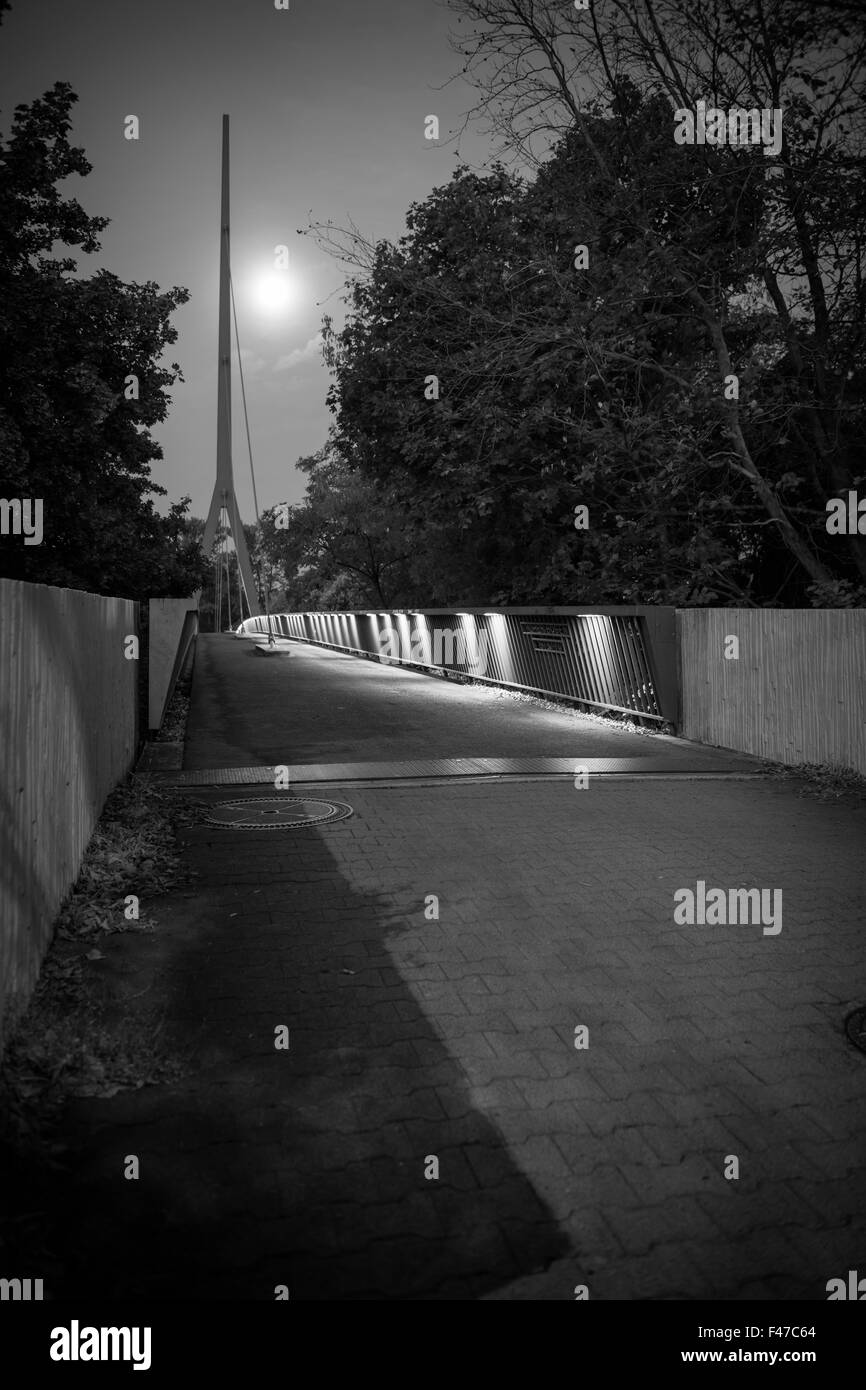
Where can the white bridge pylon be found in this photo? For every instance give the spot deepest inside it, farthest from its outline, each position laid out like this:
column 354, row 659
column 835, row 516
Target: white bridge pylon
column 224, row 489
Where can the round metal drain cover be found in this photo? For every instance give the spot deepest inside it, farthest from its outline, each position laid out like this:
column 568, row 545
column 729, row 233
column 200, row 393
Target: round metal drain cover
column 275, row 813
column 855, row 1027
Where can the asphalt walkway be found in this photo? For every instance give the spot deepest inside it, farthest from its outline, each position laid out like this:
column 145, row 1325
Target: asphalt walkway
column 311, row 705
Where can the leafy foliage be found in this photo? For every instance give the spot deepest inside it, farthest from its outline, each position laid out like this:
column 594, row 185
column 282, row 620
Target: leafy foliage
column 609, row 386
column 68, row 433
column 338, row 550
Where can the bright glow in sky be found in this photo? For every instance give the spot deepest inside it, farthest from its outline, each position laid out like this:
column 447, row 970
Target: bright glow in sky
column 273, row 294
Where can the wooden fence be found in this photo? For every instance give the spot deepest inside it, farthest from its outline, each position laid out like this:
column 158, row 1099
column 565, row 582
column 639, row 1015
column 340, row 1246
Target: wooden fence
column 796, row 691
column 69, row 733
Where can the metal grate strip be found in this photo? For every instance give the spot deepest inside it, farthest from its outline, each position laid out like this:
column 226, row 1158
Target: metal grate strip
column 713, row 761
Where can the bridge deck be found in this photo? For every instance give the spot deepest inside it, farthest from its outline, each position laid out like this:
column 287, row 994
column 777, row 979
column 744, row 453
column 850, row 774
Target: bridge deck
column 329, row 716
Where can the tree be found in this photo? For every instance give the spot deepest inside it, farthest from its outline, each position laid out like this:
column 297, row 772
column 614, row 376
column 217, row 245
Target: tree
column 531, row 360
column 798, row 328
column 80, row 383
column 337, row 548
column 686, row 382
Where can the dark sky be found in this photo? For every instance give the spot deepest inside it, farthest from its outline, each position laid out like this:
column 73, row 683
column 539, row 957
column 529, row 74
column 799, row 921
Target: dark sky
column 327, row 104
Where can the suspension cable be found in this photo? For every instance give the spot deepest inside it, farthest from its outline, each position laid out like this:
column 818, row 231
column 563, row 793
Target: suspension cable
column 228, row 575
column 235, row 525
column 223, row 546
column 218, row 584
column 249, row 444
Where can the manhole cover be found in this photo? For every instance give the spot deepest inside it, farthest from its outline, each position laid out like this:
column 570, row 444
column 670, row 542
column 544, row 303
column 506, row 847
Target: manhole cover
column 275, row 813
column 855, row 1027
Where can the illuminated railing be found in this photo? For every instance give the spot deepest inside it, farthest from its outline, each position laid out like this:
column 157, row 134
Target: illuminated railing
column 610, row 659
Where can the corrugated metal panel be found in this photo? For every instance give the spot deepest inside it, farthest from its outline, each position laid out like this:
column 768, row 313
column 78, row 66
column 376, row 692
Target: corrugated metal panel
column 797, row 692
column 68, row 730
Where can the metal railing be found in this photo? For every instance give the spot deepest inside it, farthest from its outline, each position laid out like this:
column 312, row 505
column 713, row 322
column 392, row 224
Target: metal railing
column 621, row 660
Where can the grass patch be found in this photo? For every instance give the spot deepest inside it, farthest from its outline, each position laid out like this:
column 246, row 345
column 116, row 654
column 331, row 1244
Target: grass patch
column 74, row 1039
column 823, row 782
column 64, row 1048
column 132, row 852
column 173, row 726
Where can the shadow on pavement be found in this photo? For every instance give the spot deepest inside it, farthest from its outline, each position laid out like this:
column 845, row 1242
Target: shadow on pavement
column 304, row 1167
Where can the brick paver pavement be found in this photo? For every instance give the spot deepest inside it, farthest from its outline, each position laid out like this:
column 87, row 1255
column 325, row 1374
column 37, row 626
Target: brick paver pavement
column 454, row 1038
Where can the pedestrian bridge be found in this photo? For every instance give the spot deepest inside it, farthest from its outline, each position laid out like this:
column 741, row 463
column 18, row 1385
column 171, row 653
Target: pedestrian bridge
column 618, row 660
column 329, row 713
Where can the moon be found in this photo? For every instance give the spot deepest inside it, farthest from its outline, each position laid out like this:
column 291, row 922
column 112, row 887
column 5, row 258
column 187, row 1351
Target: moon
column 274, row 293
